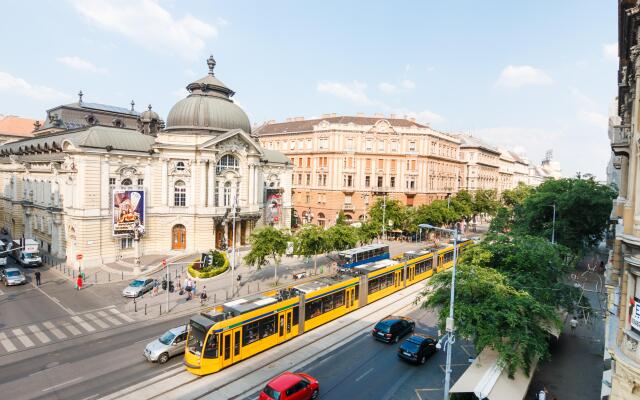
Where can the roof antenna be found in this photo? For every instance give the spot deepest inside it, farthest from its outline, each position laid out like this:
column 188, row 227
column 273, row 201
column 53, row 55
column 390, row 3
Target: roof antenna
column 133, row 103
column 80, row 94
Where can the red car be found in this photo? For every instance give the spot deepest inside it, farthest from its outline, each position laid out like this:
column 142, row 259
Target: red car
column 291, row 386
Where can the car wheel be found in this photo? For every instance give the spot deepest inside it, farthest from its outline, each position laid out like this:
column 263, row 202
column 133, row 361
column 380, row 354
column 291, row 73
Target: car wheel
column 396, row 339
column 164, row 357
column 315, row 394
column 423, row 359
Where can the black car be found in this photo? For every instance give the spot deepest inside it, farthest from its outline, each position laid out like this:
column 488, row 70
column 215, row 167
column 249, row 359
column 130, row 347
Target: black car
column 392, row 328
column 417, row 348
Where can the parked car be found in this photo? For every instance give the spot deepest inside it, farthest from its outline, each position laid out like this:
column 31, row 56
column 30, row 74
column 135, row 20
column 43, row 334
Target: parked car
column 171, row 343
column 12, row 276
column 138, row 287
column 291, row 386
column 417, row 348
column 392, row 328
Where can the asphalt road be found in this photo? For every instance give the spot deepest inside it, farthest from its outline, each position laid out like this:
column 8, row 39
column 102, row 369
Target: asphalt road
column 86, row 367
column 364, row 368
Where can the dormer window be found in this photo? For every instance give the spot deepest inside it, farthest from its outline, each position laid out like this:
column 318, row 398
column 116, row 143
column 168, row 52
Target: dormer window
column 227, row 162
column 180, row 166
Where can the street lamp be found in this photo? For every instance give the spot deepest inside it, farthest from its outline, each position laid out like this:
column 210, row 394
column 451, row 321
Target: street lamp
column 449, row 323
column 553, row 224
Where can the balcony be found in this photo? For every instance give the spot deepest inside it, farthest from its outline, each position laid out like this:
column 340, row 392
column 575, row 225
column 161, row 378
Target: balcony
column 621, row 139
column 348, row 207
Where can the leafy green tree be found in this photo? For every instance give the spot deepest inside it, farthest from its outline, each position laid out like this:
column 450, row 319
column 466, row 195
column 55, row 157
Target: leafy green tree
column 310, row 241
column 341, row 220
column 340, row 237
column 485, row 202
column 437, row 214
column 491, row 312
column 582, row 211
column 394, row 211
column 501, row 223
column 368, row 232
column 515, row 197
column 267, row 242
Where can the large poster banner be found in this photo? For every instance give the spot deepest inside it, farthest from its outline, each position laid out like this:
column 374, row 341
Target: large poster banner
column 635, row 316
column 273, row 206
column 128, row 211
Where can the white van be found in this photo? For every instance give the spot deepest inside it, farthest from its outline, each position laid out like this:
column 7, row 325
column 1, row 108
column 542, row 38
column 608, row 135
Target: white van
column 3, row 252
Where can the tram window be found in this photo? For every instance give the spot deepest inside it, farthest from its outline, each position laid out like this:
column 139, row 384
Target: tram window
column 196, row 340
column 312, row 309
column 448, row 256
column 374, row 285
column 327, row 303
column 267, row 326
column 236, row 343
column 338, row 299
column 249, row 333
column 357, row 292
column 211, row 348
column 296, row 315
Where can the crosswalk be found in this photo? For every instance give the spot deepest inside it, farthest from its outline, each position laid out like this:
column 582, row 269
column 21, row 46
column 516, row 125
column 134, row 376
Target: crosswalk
column 38, row 334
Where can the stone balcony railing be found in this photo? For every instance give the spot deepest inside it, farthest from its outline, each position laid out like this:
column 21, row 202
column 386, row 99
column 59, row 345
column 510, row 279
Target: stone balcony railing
column 348, row 207
column 621, row 139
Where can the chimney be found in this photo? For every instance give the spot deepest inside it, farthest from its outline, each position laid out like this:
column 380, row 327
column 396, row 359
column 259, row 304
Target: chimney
column 272, row 121
column 378, row 115
column 297, row 119
column 393, row 116
column 289, row 120
column 333, row 115
column 412, row 119
column 326, row 115
column 360, row 114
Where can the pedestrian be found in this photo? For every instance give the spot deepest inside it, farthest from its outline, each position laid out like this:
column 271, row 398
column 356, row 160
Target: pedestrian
column 37, row 278
column 193, row 287
column 186, row 283
column 542, row 395
column 203, row 295
column 79, row 282
column 573, row 323
column 155, row 290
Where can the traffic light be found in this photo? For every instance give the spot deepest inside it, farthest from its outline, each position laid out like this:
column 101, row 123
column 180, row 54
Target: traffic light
column 171, row 288
column 164, row 284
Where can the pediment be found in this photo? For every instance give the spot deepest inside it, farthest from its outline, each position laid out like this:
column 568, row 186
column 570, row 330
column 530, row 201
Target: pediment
column 382, row 126
column 235, row 141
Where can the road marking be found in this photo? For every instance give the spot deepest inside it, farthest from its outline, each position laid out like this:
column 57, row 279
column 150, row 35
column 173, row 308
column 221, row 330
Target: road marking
column 6, row 343
column 39, row 334
column 121, row 315
column 67, row 310
column 20, row 335
column 57, row 332
column 72, row 328
column 363, row 375
column 83, row 324
column 92, row 396
column 109, row 318
column 61, row 384
column 96, row 320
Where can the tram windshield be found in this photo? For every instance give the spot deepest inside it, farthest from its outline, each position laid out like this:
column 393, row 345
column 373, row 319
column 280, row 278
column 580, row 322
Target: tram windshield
column 196, row 338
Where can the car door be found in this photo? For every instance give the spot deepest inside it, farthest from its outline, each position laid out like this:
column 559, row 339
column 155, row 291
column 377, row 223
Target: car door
column 148, row 285
column 430, row 347
column 405, row 327
column 178, row 345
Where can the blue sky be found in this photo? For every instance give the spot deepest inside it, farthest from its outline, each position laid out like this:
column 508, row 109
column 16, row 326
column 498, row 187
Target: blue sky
column 526, row 75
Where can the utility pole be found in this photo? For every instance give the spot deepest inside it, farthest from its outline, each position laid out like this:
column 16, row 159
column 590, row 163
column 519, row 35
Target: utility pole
column 553, row 226
column 450, row 324
column 164, row 264
column 233, row 244
column 384, row 214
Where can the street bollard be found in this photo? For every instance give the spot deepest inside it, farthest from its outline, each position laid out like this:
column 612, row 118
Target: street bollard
column 73, row 273
column 226, row 294
column 95, row 277
column 109, row 276
column 160, row 309
column 214, row 298
column 258, row 286
column 145, row 308
column 122, row 275
column 135, row 305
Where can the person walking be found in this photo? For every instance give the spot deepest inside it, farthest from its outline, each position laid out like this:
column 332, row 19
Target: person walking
column 573, row 324
column 79, row 282
column 203, row 295
column 37, row 278
column 193, row 287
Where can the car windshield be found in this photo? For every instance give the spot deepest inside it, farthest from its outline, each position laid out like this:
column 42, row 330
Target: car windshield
column 30, row 255
column 167, row 338
column 410, row 345
column 136, row 283
column 271, row 392
column 383, row 328
column 13, row 273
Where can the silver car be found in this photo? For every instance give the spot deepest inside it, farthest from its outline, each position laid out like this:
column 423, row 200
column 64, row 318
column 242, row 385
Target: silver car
column 12, row 276
column 138, row 287
column 168, row 345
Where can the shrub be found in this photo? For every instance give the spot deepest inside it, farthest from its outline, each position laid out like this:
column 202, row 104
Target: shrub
column 219, row 265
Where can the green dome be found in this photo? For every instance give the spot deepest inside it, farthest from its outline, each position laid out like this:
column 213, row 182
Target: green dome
column 208, row 107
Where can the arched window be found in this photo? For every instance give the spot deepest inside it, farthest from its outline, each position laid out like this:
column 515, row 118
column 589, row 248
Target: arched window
column 179, row 194
column 226, row 201
column 180, row 166
column 227, row 162
column 178, row 237
column 321, row 220
column 126, row 182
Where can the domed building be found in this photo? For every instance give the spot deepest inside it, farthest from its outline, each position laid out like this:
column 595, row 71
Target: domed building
column 100, row 184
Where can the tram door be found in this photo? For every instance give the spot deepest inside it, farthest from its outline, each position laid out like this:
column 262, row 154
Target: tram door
column 231, row 347
column 397, row 282
column 285, row 325
column 350, row 294
column 411, row 271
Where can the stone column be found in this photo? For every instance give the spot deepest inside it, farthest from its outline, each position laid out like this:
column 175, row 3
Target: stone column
column 211, row 188
column 191, row 202
column 251, row 181
column 165, row 173
column 203, row 183
column 104, row 183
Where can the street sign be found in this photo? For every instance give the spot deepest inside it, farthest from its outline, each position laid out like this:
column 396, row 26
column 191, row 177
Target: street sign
column 79, row 257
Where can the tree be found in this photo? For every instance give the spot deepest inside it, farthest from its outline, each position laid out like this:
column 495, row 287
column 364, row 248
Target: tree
column 515, row 197
column 341, row 220
column 309, row 242
column 267, row 242
column 485, row 202
column 462, row 203
column 491, row 312
column 394, row 211
column 368, row 231
column 340, row 237
column 582, row 206
column 501, row 223
column 437, row 214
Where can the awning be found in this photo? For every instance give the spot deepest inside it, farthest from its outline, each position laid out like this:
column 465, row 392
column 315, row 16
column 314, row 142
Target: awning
column 487, row 380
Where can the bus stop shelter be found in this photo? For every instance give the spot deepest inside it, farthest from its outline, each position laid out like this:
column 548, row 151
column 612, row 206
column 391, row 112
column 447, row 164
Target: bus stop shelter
column 487, row 380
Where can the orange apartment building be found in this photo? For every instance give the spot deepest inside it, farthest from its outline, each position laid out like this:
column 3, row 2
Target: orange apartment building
column 342, row 163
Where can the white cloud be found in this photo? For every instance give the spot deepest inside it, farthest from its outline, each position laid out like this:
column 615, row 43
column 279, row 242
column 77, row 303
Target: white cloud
column 80, row 64
column 387, row 88
column 424, row 116
column 515, row 76
column 222, row 22
column 593, row 118
column 408, row 84
column 610, row 51
column 352, row 92
column 15, row 86
column 148, row 24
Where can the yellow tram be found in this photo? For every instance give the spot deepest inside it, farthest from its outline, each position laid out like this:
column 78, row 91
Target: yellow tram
column 241, row 328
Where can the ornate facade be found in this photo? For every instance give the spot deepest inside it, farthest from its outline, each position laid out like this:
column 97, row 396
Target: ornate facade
column 195, row 174
column 623, row 269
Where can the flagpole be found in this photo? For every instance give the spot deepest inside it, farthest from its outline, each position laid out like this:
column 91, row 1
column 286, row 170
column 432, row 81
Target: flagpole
column 233, row 244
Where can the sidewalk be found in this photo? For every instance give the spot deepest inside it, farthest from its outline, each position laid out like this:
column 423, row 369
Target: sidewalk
column 574, row 370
